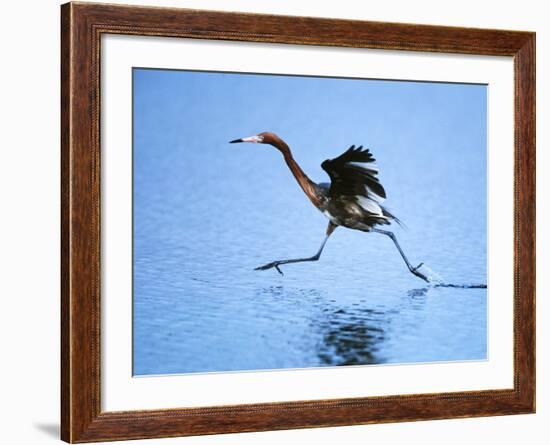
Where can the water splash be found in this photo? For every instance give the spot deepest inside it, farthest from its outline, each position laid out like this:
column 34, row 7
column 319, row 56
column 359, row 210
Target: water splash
column 433, row 277
column 463, row 286
column 437, row 280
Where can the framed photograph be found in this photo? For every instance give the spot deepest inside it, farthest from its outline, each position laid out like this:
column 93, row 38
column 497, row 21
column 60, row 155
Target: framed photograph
column 274, row 222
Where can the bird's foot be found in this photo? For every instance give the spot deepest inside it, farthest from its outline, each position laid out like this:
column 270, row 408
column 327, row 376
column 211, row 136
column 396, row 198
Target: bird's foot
column 274, row 264
column 414, row 270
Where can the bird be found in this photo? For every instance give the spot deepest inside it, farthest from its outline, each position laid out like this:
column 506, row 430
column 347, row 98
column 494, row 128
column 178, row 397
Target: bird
column 353, row 199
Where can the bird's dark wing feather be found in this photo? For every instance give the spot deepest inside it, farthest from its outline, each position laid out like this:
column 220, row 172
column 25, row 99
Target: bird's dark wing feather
column 354, row 173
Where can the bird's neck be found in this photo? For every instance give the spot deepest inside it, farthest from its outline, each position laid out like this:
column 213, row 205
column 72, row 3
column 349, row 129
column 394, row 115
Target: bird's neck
column 306, row 184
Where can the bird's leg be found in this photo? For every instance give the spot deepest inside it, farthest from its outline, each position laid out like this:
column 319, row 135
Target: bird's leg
column 315, row 257
column 413, row 270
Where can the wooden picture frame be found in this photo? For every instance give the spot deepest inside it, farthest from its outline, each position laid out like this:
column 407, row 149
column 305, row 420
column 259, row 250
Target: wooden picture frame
column 82, row 25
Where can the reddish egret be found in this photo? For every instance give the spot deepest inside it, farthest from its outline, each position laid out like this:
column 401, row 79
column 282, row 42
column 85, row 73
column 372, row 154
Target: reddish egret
column 352, row 199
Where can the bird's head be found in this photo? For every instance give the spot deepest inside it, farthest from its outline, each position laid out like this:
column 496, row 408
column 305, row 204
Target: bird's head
column 265, row 137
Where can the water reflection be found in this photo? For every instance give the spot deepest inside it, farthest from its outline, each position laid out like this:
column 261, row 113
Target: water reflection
column 352, row 334
column 351, row 337
column 198, row 324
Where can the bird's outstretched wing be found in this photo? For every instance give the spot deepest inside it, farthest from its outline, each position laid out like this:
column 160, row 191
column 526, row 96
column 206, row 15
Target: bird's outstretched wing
column 354, row 173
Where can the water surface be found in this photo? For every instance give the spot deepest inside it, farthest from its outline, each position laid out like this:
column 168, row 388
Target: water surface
column 206, row 213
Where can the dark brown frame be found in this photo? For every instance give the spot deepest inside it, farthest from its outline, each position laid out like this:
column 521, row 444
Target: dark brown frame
column 82, row 25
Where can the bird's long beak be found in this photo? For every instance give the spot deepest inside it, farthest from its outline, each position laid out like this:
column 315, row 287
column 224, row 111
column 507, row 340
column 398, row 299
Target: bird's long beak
column 249, row 139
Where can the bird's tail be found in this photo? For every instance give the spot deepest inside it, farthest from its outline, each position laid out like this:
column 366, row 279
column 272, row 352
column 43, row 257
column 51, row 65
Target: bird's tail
column 391, row 216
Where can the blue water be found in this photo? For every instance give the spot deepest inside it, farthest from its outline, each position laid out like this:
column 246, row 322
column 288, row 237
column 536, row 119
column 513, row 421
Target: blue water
column 206, row 213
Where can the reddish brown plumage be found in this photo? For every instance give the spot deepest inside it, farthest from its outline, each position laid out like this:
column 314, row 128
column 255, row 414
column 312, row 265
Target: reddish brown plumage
column 307, row 185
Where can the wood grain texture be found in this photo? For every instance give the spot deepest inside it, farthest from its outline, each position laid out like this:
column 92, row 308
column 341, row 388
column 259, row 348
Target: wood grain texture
column 81, row 29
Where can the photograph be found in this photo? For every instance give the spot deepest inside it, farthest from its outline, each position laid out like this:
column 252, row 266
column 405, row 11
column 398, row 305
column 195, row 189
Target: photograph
column 284, row 222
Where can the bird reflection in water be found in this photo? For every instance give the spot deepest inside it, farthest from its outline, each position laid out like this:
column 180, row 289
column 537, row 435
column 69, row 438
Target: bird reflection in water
column 348, row 334
column 352, row 337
